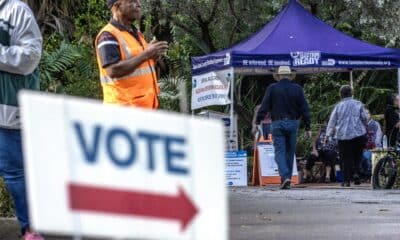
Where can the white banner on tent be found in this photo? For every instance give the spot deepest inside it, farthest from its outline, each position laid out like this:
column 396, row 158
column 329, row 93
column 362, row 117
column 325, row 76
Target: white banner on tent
column 211, row 88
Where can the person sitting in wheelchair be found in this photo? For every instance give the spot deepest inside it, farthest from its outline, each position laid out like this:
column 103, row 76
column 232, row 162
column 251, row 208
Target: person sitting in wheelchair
column 323, row 151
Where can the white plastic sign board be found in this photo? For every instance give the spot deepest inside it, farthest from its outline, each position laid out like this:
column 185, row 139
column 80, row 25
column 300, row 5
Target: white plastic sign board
column 122, row 172
column 227, row 123
column 266, row 156
column 211, row 88
column 236, row 168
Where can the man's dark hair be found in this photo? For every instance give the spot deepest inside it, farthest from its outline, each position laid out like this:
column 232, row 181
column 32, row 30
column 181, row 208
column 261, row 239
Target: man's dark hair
column 346, row 91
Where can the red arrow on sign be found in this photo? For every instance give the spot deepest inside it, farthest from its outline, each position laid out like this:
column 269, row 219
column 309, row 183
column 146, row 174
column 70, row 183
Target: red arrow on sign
column 104, row 200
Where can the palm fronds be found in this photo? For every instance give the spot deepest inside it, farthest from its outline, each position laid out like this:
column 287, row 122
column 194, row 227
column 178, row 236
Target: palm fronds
column 170, row 92
column 55, row 63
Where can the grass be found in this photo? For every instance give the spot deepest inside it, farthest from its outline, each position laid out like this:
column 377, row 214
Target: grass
column 6, row 206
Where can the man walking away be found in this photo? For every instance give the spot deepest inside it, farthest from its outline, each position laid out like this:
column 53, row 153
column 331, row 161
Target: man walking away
column 287, row 104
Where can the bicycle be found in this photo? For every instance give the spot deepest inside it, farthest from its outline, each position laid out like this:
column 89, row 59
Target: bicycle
column 385, row 171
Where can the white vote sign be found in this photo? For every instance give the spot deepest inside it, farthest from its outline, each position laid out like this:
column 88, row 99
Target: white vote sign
column 122, row 172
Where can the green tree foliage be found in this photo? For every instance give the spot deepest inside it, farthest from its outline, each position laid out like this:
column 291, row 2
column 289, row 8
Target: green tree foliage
column 55, row 15
column 69, row 69
column 53, row 64
column 171, row 92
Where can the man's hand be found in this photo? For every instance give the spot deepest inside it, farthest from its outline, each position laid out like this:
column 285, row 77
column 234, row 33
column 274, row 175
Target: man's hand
column 307, row 134
column 156, row 49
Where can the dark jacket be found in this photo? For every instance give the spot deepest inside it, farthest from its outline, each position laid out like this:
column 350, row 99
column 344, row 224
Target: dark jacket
column 285, row 100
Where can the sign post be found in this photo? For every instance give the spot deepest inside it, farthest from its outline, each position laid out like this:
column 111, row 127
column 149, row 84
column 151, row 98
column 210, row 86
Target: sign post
column 398, row 80
column 108, row 171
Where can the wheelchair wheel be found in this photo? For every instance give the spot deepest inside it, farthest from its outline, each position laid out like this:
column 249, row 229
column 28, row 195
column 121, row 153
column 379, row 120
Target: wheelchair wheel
column 384, row 174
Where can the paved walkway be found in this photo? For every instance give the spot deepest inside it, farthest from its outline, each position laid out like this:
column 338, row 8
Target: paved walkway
column 314, row 212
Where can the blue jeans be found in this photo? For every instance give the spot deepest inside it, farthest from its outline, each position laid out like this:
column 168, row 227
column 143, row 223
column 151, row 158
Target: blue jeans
column 266, row 129
column 284, row 135
column 12, row 171
column 366, row 164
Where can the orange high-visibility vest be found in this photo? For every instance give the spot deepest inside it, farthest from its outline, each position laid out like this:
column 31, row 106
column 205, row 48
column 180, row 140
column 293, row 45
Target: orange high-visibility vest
column 140, row 87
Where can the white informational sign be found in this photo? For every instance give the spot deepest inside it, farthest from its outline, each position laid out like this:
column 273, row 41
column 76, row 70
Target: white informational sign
column 211, row 88
column 266, row 156
column 227, row 123
column 122, row 172
column 236, row 168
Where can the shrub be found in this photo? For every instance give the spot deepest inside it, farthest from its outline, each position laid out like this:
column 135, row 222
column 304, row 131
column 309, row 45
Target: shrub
column 6, row 207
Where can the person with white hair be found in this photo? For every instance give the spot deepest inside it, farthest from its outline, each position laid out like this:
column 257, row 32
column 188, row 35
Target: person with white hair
column 348, row 123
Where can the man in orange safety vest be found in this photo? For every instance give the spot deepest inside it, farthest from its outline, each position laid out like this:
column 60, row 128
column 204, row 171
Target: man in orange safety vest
column 126, row 61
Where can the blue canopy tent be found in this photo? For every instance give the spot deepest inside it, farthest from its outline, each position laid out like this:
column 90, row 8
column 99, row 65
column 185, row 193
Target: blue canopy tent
column 298, row 39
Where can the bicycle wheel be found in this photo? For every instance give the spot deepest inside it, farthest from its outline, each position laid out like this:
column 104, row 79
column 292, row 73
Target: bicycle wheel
column 384, row 173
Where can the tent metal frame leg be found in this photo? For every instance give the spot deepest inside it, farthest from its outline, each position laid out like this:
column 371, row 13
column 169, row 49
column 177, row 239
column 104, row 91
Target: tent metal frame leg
column 351, row 80
column 232, row 111
column 398, row 80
